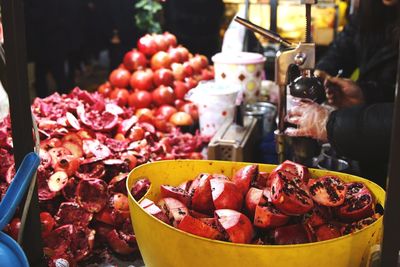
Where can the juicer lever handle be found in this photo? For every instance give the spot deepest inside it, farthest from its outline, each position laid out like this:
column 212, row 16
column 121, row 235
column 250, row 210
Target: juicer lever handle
column 264, row 32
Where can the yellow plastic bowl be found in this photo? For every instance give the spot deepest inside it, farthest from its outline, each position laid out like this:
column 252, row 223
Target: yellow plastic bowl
column 162, row 245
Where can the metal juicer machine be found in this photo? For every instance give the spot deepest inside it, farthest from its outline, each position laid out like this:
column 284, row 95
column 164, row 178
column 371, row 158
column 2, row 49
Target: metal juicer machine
column 294, row 65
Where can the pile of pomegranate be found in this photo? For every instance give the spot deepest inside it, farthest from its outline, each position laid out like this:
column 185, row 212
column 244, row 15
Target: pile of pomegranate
column 283, row 207
column 155, row 77
column 88, row 145
column 90, row 141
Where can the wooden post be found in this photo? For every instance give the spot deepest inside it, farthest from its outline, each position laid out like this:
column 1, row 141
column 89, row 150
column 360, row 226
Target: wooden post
column 391, row 220
column 21, row 121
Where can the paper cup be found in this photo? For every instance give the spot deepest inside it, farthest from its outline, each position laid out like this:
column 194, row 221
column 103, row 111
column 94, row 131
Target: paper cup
column 215, row 102
column 243, row 68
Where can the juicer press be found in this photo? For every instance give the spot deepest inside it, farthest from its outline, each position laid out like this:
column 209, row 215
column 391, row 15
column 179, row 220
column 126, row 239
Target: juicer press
column 294, row 66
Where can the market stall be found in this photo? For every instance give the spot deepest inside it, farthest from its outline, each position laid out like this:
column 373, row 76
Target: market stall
column 165, row 103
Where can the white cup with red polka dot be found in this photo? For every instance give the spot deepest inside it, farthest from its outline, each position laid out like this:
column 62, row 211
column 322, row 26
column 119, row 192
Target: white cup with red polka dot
column 215, row 103
column 243, row 68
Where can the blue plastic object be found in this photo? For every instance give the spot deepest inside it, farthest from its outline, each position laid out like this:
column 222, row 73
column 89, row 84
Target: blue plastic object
column 11, row 254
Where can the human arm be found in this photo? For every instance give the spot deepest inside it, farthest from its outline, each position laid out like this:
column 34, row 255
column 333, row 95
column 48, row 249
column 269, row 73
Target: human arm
column 360, row 132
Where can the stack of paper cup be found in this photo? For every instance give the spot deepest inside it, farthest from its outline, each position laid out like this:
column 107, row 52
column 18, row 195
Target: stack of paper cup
column 215, row 102
column 241, row 68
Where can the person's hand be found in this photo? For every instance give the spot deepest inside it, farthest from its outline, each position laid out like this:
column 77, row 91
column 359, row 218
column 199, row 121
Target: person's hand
column 343, row 92
column 322, row 74
column 310, row 119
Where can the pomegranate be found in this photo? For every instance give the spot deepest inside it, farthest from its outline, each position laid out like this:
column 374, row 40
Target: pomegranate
column 170, row 39
column 174, row 209
column 92, row 194
column 147, row 45
column 142, row 80
column 177, row 193
column 154, row 210
column 291, row 234
column 253, row 198
column 160, row 60
column 358, row 204
column 134, row 60
column 295, row 169
column 68, row 213
column 289, row 194
column 119, row 244
column 120, row 78
column 327, row 190
column 198, row 227
column 267, row 216
column 226, row 195
column 326, row 232
column 202, row 199
column 140, row 99
column 47, row 223
column 163, row 77
column 140, row 187
column 244, row 177
column 236, row 225
column 163, row 95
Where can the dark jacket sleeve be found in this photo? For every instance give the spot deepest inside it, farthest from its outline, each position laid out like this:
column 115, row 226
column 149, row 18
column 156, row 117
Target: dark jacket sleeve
column 362, row 132
column 341, row 53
